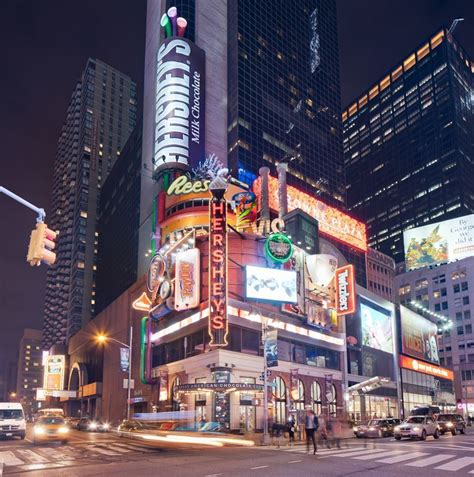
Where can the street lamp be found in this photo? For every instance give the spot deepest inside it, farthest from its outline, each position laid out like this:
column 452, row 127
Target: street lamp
column 102, row 339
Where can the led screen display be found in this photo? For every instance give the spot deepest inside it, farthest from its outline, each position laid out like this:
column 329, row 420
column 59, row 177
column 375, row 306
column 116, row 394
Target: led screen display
column 270, row 284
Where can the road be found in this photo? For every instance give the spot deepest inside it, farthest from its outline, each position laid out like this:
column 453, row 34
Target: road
column 90, row 454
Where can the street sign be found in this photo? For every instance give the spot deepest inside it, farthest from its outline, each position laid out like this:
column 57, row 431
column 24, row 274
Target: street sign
column 125, row 384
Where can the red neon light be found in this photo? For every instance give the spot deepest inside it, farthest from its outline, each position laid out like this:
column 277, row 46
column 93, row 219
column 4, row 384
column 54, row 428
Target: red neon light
column 331, row 221
column 345, row 290
column 218, row 322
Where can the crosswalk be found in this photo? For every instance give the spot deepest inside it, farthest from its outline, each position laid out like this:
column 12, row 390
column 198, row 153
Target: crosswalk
column 39, row 457
column 418, row 458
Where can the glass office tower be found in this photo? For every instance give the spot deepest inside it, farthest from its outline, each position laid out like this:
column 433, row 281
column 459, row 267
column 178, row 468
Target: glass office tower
column 408, row 144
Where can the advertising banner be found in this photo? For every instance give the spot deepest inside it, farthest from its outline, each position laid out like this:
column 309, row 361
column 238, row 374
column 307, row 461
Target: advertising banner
column 438, row 243
column 179, row 105
column 419, row 336
column 187, row 287
column 345, row 290
column 270, row 284
column 376, row 324
column 54, row 373
column 271, row 348
column 425, row 368
column 124, row 358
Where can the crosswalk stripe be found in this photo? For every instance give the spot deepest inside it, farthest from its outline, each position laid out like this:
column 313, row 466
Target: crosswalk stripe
column 360, row 452
column 32, row 456
column 376, row 453
column 118, row 449
column 101, row 451
column 9, row 458
column 431, row 460
column 401, row 458
column 456, row 464
column 134, row 447
column 49, row 452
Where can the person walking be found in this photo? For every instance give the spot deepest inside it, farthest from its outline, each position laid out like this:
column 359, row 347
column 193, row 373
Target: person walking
column 311, row 426
column 291, row 429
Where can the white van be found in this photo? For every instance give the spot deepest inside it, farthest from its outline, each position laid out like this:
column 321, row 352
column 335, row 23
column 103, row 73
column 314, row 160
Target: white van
column 12, row 420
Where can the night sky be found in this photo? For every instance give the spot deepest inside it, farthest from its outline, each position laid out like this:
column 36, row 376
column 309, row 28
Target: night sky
column 44, row 46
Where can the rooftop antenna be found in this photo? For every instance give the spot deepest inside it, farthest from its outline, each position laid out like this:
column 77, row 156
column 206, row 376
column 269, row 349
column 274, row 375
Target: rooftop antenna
column 455, row 24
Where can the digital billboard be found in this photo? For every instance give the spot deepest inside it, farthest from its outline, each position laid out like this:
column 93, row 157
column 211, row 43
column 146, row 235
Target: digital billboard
column 438, row 243
column 270, row 284
column 419, row 336
column 376, row 325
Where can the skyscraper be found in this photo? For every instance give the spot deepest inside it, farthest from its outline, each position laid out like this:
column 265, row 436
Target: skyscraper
column 408, row 144
column 30, row 369
column 100, row 117
column 271, row 93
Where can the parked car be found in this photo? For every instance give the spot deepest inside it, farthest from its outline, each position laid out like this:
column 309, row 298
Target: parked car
column 92, row 425
column 50, row 428
column 417, row 427
column 377, row 428
column 451, row 423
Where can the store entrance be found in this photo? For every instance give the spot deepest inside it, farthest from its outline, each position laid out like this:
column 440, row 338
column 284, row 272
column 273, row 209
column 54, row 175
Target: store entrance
column 247, row 418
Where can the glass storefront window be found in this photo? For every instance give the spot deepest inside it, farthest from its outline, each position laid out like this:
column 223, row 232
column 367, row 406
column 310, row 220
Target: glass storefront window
column 297, row 396
column 175, row 401
column 279, row 400
column 316, row 400
column 332, row 400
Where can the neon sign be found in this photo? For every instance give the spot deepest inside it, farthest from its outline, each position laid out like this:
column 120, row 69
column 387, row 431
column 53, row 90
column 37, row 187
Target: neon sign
column 345, row 290
column 279, row 248
column 218, row 322
column 183, row 185
column 331, row 221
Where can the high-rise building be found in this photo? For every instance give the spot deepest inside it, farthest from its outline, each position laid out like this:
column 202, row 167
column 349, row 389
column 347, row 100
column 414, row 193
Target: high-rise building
column 408, row 144
column 100, row 117
column 447, row 291
column 271, row 93
column 30, row 369
column 118, row 224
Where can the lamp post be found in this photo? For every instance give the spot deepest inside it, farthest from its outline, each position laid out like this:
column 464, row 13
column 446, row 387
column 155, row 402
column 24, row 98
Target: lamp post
column 103, row 339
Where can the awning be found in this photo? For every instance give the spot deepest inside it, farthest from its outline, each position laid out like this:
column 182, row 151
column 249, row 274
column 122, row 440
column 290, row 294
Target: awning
column 218, row 387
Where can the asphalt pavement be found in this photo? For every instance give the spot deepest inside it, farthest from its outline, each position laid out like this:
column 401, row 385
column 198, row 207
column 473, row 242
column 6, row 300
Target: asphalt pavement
column 96, row 454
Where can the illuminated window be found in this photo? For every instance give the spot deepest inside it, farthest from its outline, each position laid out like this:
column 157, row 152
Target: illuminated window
column 92, row 302
column 87, row 149
column 94, row 267
column 316, row 398
column 419, row 284
column 374, row 92
column 385, row 82
column 409, row 62
column 353, row 109
column 437, row 39
column 26, row 386
column 279, row 399
column 423, row 51
column 83, row 214
column 80, row 265
column 397, row 73
column 344, row 115
column 363, row 101
column 458, row 274
column 28, row 346
column 404, row 290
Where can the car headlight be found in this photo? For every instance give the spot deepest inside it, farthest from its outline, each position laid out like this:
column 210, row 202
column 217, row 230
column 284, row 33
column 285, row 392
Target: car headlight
column 416, row 429
column 93, row 425
column 63, row 430
column 384, row 428
column 371, row 428
column 39, row 430
column 449, row 424
column 355, row 428
column 397, row 428
column 105, row 425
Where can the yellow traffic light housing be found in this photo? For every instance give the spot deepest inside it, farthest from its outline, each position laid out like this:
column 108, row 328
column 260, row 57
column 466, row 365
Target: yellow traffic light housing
column 41, row 243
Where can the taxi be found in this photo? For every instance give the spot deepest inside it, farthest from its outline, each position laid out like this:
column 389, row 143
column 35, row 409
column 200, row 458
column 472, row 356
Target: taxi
column 51, row 428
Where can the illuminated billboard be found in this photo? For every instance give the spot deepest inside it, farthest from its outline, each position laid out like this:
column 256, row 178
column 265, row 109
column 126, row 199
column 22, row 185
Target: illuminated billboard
column 54, row 373
column 419, row 336
column 376, row 324
column 187, row 280
column 270, row 284
column 331, row 221
column 345, row 290
column 438, row 243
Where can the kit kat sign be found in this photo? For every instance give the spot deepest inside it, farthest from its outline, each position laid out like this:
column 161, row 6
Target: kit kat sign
column 218, row 322
column 345, row 290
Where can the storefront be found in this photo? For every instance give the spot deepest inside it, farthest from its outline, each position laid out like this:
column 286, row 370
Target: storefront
column 425, row 384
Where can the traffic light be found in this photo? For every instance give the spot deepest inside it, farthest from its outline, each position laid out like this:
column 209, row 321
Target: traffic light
column 41, row 244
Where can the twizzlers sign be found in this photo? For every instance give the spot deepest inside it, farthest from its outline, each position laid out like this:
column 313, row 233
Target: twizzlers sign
column 218, row 322
column 345, row 290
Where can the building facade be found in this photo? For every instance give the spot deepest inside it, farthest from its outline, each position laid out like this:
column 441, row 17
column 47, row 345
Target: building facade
column 100, row 117
column 118, row 224
column 447, row 290
column 381, row 272
column 408, row 144
column 30, row 370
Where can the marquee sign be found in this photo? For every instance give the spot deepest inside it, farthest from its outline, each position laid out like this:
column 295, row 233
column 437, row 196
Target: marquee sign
column 179, row 105
column 331, row 221
column 345, row 290
column 218, row 322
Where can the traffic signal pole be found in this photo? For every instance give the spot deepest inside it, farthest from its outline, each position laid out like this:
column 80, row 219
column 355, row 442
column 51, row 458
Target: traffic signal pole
column 41, row 213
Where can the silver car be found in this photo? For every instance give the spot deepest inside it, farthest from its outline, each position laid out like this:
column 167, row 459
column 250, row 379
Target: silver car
column 417, row 427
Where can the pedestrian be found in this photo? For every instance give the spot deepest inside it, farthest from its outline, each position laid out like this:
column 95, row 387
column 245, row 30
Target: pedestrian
column 311, row 426
column 277, row 431
column 291, row 429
